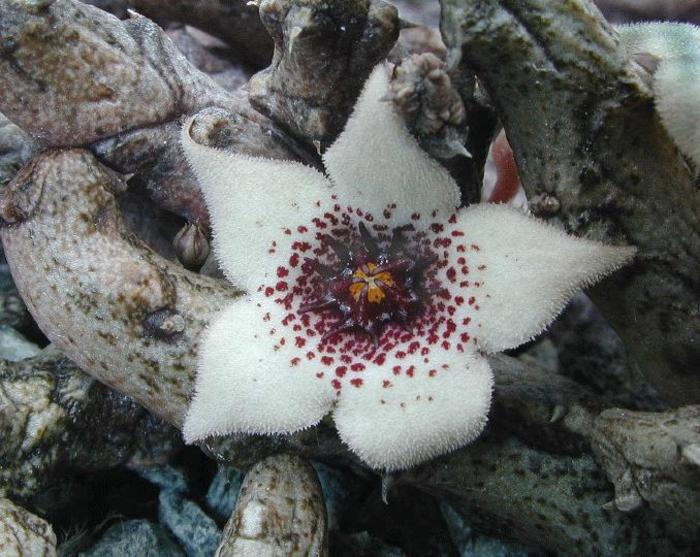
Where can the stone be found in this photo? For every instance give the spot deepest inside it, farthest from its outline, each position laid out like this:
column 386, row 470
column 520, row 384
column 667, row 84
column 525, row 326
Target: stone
column 134, row 537
column 16, row 148
column 196, row 532
column 223, row 491
column 363, row 544
column 14, row 347
column 13, row 311
column 279, row 511
column 335, row 485
column 166, row 477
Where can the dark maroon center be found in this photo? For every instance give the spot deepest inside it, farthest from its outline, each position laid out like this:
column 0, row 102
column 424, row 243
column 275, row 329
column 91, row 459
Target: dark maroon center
column 373, row 282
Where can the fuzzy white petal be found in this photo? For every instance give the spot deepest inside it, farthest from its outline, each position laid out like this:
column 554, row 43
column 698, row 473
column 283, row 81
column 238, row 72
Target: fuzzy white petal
column 677, row 90
column 415, row 418
column 523, row 271
column 251, row 201
column 376, row 163
column 677, row 78
column 661, row 39
column 245, row 383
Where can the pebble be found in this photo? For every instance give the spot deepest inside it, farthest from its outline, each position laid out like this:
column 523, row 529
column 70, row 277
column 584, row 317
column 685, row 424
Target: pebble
column 135, row 537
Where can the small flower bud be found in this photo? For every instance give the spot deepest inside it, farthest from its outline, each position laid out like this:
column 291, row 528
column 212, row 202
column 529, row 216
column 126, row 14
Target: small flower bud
column 191, row 246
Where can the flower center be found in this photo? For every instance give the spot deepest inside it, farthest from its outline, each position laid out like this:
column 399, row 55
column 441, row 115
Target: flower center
column 373, row 282
column 370, row 281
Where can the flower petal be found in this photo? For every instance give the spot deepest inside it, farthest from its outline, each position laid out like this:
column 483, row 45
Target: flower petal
column 394, row 422
column 376, row 163
column 266, row 196
column 677, row 79
column 677, row 91
column 661, row 39
column 245, row 382
column 523, row 271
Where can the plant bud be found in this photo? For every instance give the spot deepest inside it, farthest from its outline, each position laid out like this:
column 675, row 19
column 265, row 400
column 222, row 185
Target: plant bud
column 191, row 246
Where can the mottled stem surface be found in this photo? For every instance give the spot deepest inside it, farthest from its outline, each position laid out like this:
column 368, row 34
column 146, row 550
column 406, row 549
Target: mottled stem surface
column 75, row 75
column 55, row 418
column 582, row 124
column 546, row 483
column 22, row 533
column 324, row 52
column 237, row 23
column 129, row 317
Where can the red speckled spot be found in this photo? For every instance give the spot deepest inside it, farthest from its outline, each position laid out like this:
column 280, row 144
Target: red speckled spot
column 440, row 323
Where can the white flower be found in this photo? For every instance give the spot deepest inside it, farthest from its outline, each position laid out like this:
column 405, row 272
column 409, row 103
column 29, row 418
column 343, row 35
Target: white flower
column 676, row 79
column 417, row 306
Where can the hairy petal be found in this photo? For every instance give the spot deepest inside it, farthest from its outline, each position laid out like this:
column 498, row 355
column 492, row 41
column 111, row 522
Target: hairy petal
column 393, row 422
column 523, row 272
column 677, row 78
column 661, row 39
column 251, row 201
column 677, row 90
column 245, row 382
column 376, row 162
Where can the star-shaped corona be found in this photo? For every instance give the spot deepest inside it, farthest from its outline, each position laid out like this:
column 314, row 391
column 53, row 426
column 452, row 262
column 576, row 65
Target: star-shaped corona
column 370, row 294
column 375, row 283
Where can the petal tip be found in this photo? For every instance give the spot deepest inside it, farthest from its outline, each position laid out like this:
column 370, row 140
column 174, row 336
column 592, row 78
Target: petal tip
column 194, row 429
column 403, row 430
column 528, row 270
column 413, row 182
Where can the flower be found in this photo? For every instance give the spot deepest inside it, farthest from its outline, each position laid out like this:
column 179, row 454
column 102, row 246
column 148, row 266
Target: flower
column 370, row 295
column 675, row 50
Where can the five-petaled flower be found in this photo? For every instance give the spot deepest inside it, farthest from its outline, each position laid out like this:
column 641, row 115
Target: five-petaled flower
column 370, row 294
